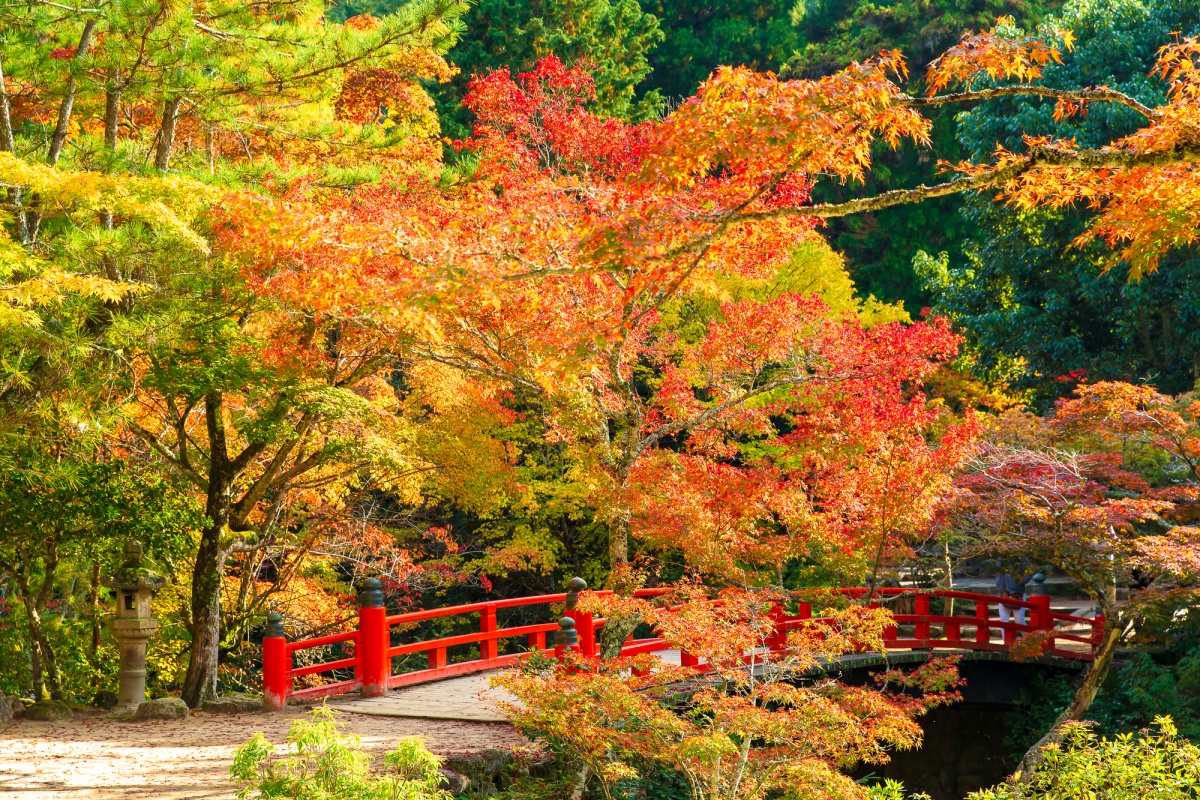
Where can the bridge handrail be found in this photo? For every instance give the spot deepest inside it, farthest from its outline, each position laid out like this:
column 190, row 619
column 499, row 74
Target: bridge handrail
column 859, row 592
column 373, row 651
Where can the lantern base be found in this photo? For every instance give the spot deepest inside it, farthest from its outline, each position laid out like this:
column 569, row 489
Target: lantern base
column 131, row 636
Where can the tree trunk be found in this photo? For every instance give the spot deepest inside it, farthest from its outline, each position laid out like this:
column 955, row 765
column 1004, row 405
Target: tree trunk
column 94, row 605
column 37, row 678
column 166, row 134
column 948, row 574
column 112, row 110
column 1080, row 704
column 50, row 676
column 200, row 683
column 8, row 144
column 112, row 114
column 618, row 542
column 59, row 138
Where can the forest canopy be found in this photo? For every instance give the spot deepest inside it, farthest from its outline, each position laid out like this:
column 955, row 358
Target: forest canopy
column 737, row 302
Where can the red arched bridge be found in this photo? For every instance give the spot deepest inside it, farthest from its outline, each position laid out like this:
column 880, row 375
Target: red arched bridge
column 372, row 650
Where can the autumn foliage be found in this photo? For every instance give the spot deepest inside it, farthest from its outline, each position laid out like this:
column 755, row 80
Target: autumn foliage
column 334, row 336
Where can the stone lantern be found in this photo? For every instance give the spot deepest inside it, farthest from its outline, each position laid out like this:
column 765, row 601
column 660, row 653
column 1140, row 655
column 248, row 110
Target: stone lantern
column 134, row 583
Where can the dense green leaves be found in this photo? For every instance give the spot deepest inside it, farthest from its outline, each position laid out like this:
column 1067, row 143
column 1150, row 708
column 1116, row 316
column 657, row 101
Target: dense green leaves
column 321, row 763
column 1038, row 312
column 1157, row 765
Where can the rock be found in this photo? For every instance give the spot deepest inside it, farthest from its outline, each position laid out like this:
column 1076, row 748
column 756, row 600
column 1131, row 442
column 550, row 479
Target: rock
column 455, row 783
column 49, row 711
column 162, row 708
column 6, row 715
column 234, row 704
column 105, row 699
column 486, row 765
column 484, row 768
column 16, row 707
column 546, row 770
column 494, row 761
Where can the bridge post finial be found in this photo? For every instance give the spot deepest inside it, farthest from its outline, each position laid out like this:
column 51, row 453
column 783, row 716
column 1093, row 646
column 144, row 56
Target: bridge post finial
column 574, row 587
column 1037, row 585
column 565, row 638
column 566, row 635
column 370, row 594
column 585, row 629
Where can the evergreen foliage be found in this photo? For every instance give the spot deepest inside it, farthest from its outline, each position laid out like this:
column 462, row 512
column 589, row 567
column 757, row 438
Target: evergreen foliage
column 1039, row 312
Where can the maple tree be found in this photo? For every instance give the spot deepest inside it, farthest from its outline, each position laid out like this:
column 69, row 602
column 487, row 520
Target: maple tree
column 629, row 286
column 1074, row 493
column 619, row 336
column 743, row 725
column 114, row 277
column 618, row 220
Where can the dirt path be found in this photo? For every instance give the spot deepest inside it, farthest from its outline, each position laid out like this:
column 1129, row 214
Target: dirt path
column 101, row 759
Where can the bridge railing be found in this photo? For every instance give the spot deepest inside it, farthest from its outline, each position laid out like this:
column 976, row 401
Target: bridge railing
column 372, row 650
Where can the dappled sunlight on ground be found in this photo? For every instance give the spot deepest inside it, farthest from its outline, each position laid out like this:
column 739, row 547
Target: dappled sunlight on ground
column 102, row 759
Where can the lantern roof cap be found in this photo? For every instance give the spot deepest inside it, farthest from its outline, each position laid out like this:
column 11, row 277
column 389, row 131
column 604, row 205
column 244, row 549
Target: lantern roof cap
column 135, row 573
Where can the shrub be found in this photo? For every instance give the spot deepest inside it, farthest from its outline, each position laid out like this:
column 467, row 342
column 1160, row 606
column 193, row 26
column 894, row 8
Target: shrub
column 320, row 763
column 1156, row 764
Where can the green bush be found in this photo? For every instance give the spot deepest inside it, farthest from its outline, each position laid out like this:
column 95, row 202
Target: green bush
column 320, row 763
column 1154, row 765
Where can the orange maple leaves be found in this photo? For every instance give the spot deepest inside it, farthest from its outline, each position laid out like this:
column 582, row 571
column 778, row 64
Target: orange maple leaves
column 998, row 54
column 757, row 727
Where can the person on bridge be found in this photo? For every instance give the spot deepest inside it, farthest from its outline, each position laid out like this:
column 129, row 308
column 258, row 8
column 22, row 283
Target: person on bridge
column 1008, row 585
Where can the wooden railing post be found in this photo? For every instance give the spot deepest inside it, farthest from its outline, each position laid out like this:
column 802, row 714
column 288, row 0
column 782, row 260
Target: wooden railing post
column 437, row 658
column 277, row 663
column 777, row 641
column 374, row 664
column 891, row 633
column 488, row 648
column 585, row 627
column 983, row 633
column 953, row 629
column 922, row 610
column 1043, row 617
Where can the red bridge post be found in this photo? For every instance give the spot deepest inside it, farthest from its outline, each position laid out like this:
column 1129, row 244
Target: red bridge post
column 983, row 633
column 277, row 663
column 585, row 627
column 488, row 648
column 374, row 664
column 1043, row 617
column 777, row 641
column 921, row 631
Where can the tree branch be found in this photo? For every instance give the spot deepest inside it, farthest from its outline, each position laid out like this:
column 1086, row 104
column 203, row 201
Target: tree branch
column 1103, row 158
column 1097, row 94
